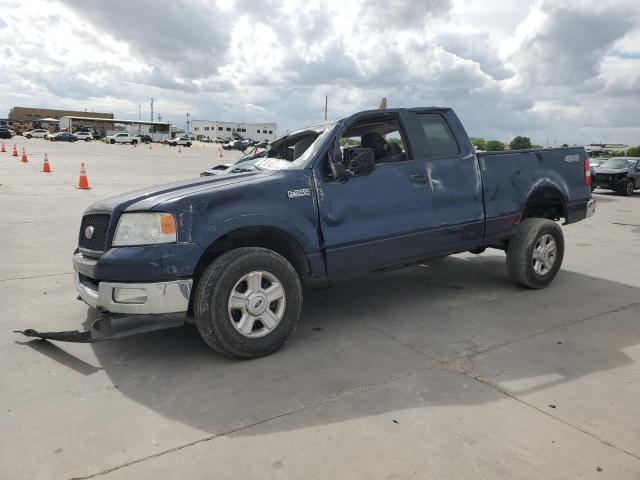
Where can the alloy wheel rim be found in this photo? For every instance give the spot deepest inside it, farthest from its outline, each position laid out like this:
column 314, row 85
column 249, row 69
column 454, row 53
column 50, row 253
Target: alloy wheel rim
column 256, row 304
column 545, row 253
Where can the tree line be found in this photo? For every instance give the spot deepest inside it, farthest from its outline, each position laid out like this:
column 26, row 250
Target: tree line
column 524, row 143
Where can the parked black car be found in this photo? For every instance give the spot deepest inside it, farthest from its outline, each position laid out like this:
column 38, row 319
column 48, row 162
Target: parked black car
column 6, row 133
column 63, row 137
column 621, row 174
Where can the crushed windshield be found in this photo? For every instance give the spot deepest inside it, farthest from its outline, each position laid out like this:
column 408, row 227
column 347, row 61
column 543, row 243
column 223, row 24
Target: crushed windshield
column 292, row 151
column 618, row 163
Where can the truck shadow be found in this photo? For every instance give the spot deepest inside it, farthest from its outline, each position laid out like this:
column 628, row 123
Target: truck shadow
column 405, row 336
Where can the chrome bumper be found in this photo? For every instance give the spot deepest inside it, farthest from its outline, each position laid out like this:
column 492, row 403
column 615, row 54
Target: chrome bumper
column 591, row 208
column 162, row 297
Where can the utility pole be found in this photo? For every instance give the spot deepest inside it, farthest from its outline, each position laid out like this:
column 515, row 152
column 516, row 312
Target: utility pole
column 326, row 102
column 188, row 122
column 152, row 109
column 139, row 116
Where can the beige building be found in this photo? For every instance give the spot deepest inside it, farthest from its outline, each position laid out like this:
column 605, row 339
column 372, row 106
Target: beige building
column 26, row 118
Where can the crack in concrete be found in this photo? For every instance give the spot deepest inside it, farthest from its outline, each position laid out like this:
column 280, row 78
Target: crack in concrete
column 460, row 365
column 322, row 401
column 470, row 373
column 31, row 277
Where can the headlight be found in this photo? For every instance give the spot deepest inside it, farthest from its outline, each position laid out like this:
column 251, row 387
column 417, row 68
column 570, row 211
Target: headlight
column 145, row 229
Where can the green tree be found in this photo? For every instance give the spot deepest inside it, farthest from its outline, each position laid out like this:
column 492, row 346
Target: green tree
column 565, row 144
column 520, row 143
column 494, row 146
column 479, row 142
column 634, row 151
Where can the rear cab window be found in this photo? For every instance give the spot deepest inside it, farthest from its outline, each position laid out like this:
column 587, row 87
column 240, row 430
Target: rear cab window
column 440, row 138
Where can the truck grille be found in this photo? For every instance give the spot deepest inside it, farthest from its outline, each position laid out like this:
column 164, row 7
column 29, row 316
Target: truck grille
column 98, row 238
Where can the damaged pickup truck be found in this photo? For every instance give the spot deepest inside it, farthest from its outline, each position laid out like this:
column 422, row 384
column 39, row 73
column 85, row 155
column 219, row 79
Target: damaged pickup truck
column 377, row 190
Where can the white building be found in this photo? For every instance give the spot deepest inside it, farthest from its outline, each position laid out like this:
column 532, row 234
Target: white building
column 210, row 129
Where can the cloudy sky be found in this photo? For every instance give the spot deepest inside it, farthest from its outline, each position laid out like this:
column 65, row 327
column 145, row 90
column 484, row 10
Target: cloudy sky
column 550, row 69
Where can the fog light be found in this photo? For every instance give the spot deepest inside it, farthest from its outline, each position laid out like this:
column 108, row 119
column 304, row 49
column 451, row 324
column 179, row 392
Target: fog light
column 129, row 295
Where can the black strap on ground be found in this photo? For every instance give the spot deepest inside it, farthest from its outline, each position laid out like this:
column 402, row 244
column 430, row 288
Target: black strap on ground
column 68, row 336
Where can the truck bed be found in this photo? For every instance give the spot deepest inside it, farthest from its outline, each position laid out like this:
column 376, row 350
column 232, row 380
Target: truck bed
column 510, row 177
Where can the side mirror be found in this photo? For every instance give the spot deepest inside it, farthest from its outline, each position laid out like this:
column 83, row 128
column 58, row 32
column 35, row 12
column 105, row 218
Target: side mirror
column 336, row 164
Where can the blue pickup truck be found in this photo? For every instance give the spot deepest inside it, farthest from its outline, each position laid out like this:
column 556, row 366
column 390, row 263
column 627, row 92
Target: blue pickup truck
column 380, row 189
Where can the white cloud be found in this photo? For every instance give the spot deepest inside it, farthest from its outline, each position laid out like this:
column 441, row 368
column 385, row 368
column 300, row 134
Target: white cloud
column 563, row 69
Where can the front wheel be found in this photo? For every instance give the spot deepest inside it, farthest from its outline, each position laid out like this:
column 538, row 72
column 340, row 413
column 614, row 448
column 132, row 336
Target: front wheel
column 628, row 188
column 248, row 302
column 188, row 144
column 535, row 252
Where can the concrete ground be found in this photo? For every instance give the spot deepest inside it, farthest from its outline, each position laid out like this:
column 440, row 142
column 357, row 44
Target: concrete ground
column 446, row 370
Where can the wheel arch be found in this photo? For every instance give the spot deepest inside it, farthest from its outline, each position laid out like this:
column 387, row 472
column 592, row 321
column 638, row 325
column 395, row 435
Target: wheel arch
column 265, row 236
column 545, row 200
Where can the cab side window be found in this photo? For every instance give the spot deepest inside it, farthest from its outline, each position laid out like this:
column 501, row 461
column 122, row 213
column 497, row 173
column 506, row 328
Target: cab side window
column 382, row 135
column 439, row 136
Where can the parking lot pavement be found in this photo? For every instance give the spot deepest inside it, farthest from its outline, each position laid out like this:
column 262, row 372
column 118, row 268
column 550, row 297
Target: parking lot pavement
column 444, row 370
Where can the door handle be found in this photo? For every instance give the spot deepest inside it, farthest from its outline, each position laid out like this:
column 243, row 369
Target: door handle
column 419, row 179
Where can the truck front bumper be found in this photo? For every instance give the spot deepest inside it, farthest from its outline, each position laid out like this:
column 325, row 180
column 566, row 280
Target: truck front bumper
column 135, row 298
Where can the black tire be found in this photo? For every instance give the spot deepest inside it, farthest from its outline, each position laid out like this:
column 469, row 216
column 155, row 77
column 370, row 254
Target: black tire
column 520, row 252
column 87, row 139
column 28, row 136
column 628, row 188
column 134, row 142
column 112, row 141
column 212, row 295
column 188, row 144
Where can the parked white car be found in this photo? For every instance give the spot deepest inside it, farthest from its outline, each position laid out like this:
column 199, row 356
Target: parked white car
column 120, row 138
column 37, row 133
column 86, row 136
column 186, row 141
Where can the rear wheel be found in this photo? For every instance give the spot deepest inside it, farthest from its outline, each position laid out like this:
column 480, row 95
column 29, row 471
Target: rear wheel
column 535, row 252
column 112, row 141
column 248, row 302
column 28, row 136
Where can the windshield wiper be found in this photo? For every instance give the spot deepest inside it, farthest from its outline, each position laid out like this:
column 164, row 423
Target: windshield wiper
column 245, row 169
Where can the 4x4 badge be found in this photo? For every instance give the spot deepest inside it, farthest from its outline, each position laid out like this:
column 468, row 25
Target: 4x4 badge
column 301, row 192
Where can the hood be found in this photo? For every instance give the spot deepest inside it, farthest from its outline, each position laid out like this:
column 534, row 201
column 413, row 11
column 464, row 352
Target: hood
column 612, row 171
column 147, row 198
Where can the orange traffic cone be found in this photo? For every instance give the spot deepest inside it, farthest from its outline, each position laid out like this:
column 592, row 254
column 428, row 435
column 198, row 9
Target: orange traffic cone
column 135, row 144
column 3, row 149
column 83, row 182
column 46, row 168
column 221, row 152
column 24, row 158
column 15, row 151
column 179, row 149
column 149, row 146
